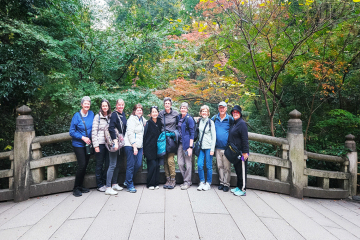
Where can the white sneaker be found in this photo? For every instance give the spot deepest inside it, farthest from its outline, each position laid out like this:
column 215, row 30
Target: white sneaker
column 110, row 191
column 157, row 187
column 206, row 187
column 117, row 187
column 151, row 188
column 102, row 189
column 201, row 186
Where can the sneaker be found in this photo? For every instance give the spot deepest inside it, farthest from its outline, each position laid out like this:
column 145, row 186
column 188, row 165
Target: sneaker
column 125, row 185
column 206, row 187
column 226, row 189
column 102, row 189
column 185, row 186
column 116, row 187
column 77, row 192
column 84, row 190
column 151, row 188
column 235, row 190
column 240, row 193
column 131, row 190
column 172, row 183
column 221, row 187
column 157, row 187
column 201, row 186
column 110, row 191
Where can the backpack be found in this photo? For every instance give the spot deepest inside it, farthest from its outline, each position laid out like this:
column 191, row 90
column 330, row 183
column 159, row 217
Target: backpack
column 231, row 119
column 196, row 132
column 109, row 142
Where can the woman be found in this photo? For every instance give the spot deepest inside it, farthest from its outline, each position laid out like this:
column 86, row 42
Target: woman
column 186, row 128
column 101, row 120
column 118, row 121
column 207, row 127
column 133, row 145
column 80, row 131
column 169, row 117
column 152, row 132
column 238, row 135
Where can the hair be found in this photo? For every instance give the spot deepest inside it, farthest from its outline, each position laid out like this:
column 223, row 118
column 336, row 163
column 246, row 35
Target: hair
column 151, row 108
column 109, row 109
column 86, row 98
column 120, row 100
column 136, row 107
column 168, row 99
column 206, row 107
column 184, row 104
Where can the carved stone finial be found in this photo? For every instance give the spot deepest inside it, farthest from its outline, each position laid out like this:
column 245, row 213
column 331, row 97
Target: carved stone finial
column 295, row 114
column 350, row 137
column 24, row 110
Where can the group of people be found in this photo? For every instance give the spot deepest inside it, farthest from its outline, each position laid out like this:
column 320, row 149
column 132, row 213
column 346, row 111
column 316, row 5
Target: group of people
column 166, row 128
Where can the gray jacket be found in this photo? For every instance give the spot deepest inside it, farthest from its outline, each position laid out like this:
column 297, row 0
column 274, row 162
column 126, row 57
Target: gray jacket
column 209, row 139
column 97, row 133
column 170, row 119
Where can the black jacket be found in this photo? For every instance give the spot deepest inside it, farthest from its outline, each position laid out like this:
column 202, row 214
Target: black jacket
column 151, row 135
column 115, row 123
column 238, row 134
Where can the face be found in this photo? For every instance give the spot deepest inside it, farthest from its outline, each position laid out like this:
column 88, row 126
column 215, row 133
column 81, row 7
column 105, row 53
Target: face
column 154, row 113
column 167, row 105
column 139, row 112
column 204, row 113
column 236, row 115
column 183, row 110
column 222, row 110
column 85, row 105
column 120, row 106
column 104, row 107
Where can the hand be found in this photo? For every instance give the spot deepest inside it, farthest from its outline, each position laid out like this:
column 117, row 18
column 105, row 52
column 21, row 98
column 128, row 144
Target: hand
column 189, row 150
column 211, row 153
column 135, row 151
column 97, row 149
column 86, row 140
column 245, row 155
column 116, row 145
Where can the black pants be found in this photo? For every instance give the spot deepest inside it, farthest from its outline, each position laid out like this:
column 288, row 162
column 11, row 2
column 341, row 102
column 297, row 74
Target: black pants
column 82, row 161
column 101, row 158
column 153, row 170
column 239, row 174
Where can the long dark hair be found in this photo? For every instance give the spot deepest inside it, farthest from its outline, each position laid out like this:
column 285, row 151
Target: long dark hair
column 109, row 109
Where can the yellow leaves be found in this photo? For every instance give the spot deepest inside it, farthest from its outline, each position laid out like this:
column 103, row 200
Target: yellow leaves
column 356, row 0
column 8, row 147
column 262, row 4
column 11, row 36
column 179, row 20
column 202, row 27
column 242, row 3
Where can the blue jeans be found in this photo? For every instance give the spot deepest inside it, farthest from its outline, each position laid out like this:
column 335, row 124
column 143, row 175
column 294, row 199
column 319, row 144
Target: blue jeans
column 205, row 153
column 101, row 158
column 133, row 164
column 113, row 158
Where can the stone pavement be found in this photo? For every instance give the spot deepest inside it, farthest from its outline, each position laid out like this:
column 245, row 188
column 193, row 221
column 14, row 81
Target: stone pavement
column 179, row 214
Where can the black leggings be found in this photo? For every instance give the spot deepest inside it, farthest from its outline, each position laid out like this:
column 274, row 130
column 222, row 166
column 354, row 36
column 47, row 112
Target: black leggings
column 238, row 170
column 153, row 167
column 82, row 162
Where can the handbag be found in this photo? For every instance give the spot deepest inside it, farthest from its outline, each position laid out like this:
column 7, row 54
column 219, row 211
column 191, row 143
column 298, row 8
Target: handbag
column 109, row 142
column 198, row 144
column 232, row 153
column 171, row 145
column 88, row 147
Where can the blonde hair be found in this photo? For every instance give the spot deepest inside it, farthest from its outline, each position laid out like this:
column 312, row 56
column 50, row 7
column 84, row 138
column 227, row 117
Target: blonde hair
column 205, row 107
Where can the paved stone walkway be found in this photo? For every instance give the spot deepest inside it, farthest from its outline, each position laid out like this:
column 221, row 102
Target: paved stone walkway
column 177, row 214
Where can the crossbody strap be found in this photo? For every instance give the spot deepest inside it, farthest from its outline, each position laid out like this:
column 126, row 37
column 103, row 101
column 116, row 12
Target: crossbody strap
column 202, row 136
column 121, row 123
column 83, row 123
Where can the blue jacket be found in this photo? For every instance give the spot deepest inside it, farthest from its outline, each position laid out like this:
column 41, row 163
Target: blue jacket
column 187, row 133
column 77, row 128
column 222, row 130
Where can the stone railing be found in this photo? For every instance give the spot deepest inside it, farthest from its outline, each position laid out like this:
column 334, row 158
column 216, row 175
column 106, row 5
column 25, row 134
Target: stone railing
column 286, row 174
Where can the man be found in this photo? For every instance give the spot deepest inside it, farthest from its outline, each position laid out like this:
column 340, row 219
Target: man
column 223, row 122
column 169, row 116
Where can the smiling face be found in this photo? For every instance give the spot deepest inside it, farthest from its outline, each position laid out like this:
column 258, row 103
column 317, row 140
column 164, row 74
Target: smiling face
column 85, row 106
column 167, row 105
column 154, row 113
column 120, row 106
column 222, row 110
column 139, row 112
column 104, row 107
column 236, row 114
column 204, row 113
column 183, row 110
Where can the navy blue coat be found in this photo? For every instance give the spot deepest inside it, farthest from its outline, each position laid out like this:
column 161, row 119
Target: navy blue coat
column 187, row 133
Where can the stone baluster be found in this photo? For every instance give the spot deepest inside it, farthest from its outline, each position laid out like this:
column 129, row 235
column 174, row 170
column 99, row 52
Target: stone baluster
column 352, row 156
column 38, row 173
column 283, row 173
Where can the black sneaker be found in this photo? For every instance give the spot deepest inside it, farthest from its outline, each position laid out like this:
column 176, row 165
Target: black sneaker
column 221, row 187
column 77, row 192
column 226, row 189
column 84, row 190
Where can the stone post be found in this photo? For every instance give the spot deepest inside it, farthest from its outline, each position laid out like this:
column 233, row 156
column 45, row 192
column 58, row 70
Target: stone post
column 296, row 155
column 352, row 156
column 24, row 135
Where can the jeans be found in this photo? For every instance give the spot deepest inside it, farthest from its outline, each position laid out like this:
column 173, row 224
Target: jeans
column 82, row 161
column 101, row 158
column 133, row 164
column 113, row 159
column 205, row 153
column 153, row 170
